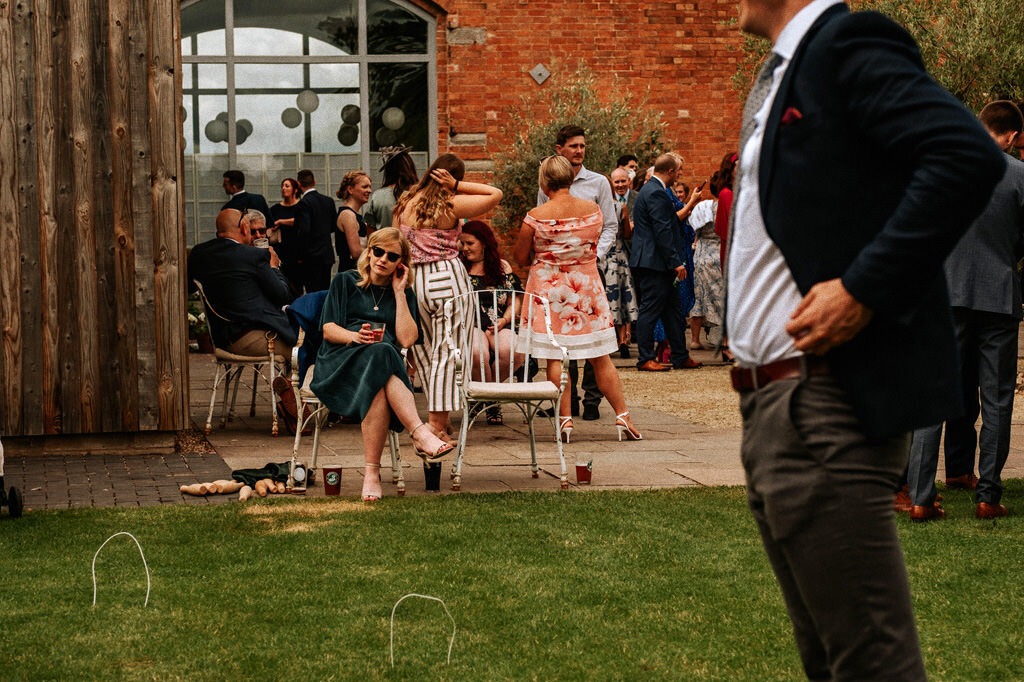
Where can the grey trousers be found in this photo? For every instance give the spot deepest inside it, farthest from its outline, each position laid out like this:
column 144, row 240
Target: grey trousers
column 821, row 493
column 924, row 462
column 987, row 343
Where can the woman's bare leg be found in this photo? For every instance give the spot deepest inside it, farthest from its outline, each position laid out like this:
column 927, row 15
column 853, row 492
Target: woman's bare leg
column 695, row 324
column 403, row 404
column 504, row 343
column 608, row 381
column 375, row 430
column 555, row 376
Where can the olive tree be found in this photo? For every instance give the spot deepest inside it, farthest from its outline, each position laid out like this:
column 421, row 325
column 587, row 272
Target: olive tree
column 972, row 47
column 616, row 124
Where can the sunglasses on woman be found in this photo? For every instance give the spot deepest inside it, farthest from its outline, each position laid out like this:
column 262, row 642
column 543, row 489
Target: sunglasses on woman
column 392, row 256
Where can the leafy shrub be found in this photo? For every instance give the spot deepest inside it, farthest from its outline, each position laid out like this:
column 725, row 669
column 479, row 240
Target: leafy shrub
column 616, row 124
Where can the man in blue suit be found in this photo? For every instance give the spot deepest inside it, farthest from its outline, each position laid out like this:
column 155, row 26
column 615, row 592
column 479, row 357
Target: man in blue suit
column 656, row 261
column 244, row 286
column 857, row 175
column 234, row 187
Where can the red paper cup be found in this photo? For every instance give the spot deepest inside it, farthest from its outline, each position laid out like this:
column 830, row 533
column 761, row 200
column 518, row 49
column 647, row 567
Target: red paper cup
column 583, row 473
column 332, row 480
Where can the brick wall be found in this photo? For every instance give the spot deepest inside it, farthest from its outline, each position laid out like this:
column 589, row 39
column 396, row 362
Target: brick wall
column 684, row 53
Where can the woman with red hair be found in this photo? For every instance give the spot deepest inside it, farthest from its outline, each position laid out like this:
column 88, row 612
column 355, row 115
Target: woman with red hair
column 487, row 270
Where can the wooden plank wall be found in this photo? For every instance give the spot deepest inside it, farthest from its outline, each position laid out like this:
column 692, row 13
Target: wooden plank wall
column 93, row 333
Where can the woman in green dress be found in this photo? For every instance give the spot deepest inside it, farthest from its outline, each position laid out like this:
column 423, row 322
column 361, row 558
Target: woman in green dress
column 360, row 373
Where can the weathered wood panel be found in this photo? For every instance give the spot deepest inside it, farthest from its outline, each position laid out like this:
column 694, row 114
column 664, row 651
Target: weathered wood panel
column 145, row 301
column 46, row 132
column 168, row 223
column 10, row 256
column 119, row 17
column 92, row 296
column 28, row 217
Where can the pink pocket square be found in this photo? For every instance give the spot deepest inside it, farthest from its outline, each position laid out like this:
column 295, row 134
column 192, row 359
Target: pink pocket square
column 791, row 115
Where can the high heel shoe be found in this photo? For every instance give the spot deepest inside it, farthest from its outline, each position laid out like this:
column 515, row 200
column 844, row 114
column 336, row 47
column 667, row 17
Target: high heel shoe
column 624, row 428
column 369, row 493
column 565, row 427
column 435, row 456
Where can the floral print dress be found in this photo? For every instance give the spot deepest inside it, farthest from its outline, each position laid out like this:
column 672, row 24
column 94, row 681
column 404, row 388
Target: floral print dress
column 564, row 271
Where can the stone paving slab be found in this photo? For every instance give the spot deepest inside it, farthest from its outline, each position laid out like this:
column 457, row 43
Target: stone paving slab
column 89, row 480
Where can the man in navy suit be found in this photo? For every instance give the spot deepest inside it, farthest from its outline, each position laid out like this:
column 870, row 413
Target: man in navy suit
column 234, row 187
column 857, row 175
column 244, row 286
column 656, row 261
column 315, row 218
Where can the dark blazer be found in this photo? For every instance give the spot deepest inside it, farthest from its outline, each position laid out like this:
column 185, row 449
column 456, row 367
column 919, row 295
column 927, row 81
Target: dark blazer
column 655, row 230
column 870, row 171
column 315, row 217
column 982, row 270
column 246, row 200
column 241, row 287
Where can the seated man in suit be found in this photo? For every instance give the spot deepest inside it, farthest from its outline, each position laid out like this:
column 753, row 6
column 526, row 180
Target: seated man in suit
column 984, row 291
column 244, row 287
column 234, row 186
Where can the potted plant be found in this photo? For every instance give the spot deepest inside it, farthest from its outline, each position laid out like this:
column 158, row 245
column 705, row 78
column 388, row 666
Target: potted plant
column 198, row 329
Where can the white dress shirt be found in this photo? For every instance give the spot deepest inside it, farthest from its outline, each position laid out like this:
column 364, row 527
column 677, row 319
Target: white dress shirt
column 762, row 291
column 594, row 187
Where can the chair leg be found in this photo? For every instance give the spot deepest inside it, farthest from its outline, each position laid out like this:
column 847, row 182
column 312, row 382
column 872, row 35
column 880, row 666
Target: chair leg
column 213, row 398
column 319, row 416
column 273, row 398
column 236, row 377
column 255, row 385
column 397, row 477
column 460, row 448
column 561, row 454
column 533, row 442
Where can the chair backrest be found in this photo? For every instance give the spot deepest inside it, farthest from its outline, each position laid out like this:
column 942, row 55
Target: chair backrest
column 465, row 313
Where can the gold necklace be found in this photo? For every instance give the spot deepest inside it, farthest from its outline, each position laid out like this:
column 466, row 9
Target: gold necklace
column 376, row 300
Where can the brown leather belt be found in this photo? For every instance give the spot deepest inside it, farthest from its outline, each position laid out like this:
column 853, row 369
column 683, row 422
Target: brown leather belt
column 753, row 378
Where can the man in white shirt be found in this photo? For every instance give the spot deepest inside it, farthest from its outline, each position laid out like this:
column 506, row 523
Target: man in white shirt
column 858, row 173
column 571, row 142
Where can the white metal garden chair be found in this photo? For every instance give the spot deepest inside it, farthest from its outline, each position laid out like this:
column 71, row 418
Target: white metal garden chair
column 317, row 417
column 508, row 386
column 229, row 371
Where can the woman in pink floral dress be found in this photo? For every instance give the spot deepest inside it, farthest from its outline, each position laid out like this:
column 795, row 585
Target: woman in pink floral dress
column 562, row 235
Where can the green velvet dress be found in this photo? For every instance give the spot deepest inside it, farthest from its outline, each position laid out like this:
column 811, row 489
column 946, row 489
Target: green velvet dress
column 347, row 378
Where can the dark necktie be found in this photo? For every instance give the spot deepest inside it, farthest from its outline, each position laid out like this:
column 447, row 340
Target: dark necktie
column 755, row 100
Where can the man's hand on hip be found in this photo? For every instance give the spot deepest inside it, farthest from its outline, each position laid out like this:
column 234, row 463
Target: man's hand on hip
column 826, row 317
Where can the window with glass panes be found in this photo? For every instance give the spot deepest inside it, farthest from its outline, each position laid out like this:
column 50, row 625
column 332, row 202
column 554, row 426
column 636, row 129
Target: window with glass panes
column 272, row 87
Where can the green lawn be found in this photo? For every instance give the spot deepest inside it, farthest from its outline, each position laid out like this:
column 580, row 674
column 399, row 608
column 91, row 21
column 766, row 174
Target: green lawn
column 660, row 585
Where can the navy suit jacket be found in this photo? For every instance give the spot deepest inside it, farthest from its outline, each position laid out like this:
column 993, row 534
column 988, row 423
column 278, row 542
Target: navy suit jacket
column 655, row 230
column 245, row 200
column 315, row 217
column 870, row 171
column 242, row 287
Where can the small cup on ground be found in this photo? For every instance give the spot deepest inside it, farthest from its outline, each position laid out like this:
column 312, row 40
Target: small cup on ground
column 432, row 476
column 332, row 480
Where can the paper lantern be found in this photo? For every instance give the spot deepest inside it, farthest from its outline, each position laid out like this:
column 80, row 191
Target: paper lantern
column 348, row 134
column 184, row 114
column 393, row 118
column 350, row 114
column 246, row 124
column 223, row 116
column 307, row 101
column 216, row 131
column 386, row 137
column 291, row 117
